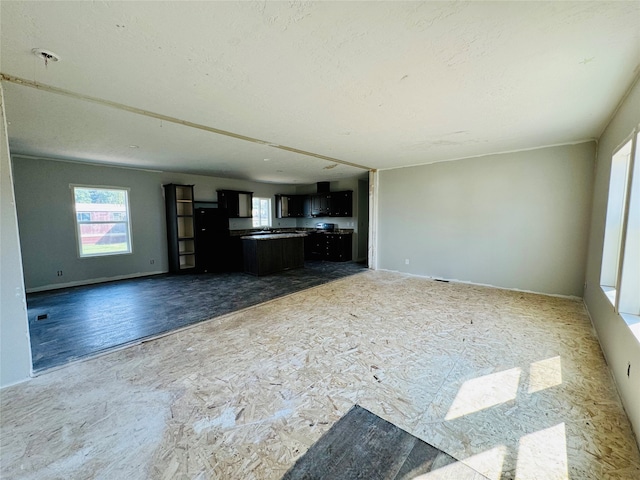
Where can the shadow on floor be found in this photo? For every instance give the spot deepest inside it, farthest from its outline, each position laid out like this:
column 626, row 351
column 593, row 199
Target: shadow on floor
column 84, row 321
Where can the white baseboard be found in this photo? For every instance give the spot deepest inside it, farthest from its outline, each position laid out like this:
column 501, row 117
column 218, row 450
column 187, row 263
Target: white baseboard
column 488, row 285
column 17, row 382
column 92, row 281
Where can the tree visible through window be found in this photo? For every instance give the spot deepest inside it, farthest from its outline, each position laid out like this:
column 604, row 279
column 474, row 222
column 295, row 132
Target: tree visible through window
column 261, row 212
column 102, row 221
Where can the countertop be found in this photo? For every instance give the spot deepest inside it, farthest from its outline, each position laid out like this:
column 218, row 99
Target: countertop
column 297, row 231
column 273, row 236
column 342, row 231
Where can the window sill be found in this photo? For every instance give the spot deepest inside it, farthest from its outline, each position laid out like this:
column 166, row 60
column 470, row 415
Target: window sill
column 632, row 321
column 610, row 293
column 108, row 254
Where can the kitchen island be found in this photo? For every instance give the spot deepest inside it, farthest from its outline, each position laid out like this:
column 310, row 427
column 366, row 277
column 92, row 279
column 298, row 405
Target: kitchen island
column 270, row 253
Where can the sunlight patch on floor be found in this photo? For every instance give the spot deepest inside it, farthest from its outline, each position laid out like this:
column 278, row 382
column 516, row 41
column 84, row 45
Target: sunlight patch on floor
column 545, row 374
column 489, row 462
column 543, row 454
column 484, row 392
column 463, row 471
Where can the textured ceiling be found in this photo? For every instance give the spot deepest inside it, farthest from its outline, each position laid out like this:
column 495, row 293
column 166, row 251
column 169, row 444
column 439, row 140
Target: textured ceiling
column 373, row 84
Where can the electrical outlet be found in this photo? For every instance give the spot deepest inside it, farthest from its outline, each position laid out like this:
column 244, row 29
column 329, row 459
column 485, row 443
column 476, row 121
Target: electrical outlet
column 406, row 261
column 152, row 261
column 59, row 273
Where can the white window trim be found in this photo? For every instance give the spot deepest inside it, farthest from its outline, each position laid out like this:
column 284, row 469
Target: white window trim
column 613, row 293
column 625, row 216
column 72, row 187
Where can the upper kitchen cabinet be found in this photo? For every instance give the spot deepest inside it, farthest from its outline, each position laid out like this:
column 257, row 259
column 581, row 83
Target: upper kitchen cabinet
column 341, row 204
column 237, row 203
column 334, row 204
column 320, row 204
column 328, row 204
column 293, row 206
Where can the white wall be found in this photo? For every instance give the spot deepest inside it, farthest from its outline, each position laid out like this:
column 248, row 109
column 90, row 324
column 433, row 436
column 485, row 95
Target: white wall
column 46, row 219
column 618, row 343
column 15, row 350
column 514, row 220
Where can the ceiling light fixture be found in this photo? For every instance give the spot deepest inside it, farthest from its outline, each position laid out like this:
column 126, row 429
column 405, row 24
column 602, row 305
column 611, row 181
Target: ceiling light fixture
column 46, row 55
column 267, row 159
column 134, row 146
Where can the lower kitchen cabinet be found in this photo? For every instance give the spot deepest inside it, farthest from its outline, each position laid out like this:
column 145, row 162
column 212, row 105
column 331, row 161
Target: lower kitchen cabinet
column 339, row 247
column 235, row 258
column 265, row 256
column 292, row 253
column 334, row 247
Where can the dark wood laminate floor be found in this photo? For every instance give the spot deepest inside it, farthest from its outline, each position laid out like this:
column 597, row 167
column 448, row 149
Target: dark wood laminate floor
column 84, row 321
column 362, row 445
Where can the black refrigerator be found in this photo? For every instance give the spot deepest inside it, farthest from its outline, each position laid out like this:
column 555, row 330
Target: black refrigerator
column 212, row 239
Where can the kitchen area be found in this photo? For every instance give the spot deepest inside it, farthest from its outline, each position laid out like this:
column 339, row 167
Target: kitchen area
column 287, row 230
column 266, row 252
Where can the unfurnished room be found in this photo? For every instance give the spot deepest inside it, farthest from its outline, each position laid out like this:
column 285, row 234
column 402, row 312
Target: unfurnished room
column 320, row 240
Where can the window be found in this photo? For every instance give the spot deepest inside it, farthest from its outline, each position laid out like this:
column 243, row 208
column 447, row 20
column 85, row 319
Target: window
column 102, row 221
column 261, row 212
column 620, row 273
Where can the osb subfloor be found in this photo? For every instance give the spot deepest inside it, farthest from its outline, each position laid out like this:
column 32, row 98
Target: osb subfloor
column 512, row 384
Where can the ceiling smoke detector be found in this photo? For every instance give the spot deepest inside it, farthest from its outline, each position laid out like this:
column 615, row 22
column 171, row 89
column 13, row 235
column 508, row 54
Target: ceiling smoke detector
column 46, row 55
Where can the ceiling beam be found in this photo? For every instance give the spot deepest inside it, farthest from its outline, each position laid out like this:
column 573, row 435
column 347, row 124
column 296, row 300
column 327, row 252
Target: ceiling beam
column 139, row 111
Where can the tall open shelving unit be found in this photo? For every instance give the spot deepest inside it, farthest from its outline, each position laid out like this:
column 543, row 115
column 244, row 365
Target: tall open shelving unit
column 180, row 227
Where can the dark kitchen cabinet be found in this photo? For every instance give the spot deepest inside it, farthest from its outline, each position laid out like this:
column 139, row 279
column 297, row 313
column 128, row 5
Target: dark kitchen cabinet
column 313, row 246
column 238, row 204
column 292, row 253
column 334, row 204
column 341, row 204
column 338, row 247
column 265, row 256
column 235, row 255
column 292, row 206
column 320, row 204
column 334, row 247
column 180, row 227
column 328, row 204
column 262, row 257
